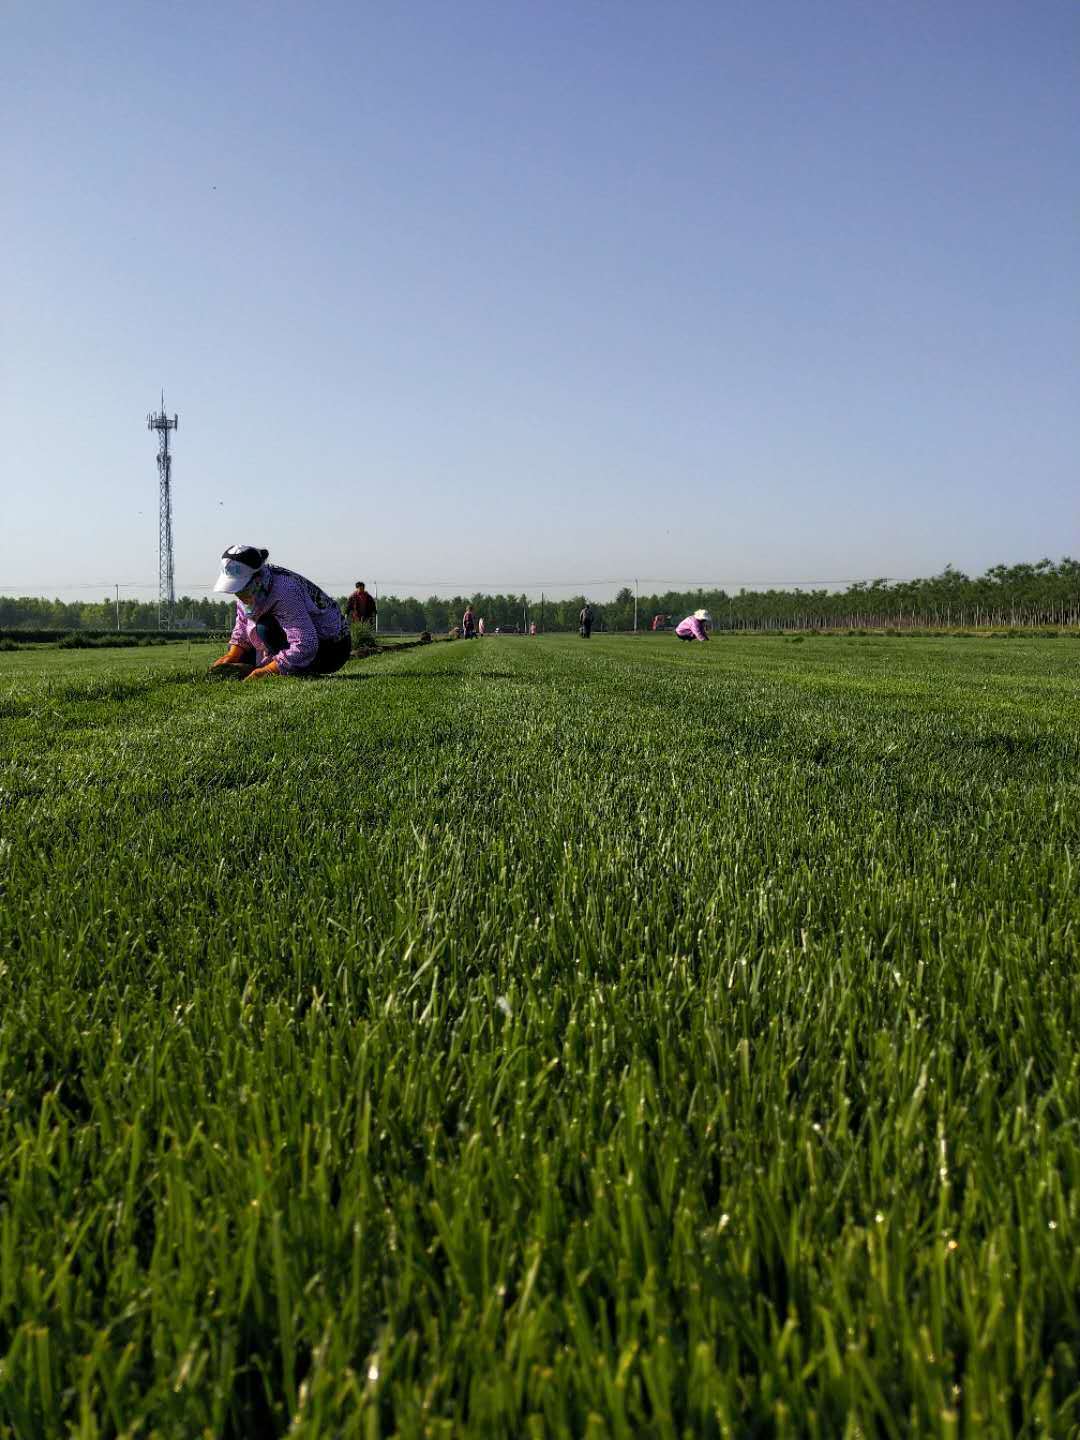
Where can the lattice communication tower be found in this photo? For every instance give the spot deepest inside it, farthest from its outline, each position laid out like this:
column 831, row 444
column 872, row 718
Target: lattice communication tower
column 166, row 591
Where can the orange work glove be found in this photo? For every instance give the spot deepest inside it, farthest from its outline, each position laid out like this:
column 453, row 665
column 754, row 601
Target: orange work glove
column 270, row 668
column 235, row 653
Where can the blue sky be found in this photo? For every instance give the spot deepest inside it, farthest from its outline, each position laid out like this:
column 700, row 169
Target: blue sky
column 472, row 295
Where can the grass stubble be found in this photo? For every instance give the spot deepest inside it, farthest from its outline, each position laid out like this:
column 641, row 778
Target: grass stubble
column 538, row 1038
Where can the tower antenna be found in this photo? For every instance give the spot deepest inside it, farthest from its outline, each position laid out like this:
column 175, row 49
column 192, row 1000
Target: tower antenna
column 166, row 591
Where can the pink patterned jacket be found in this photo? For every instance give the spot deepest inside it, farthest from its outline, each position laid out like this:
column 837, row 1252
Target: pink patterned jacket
column 306, row 614
column 691, row 626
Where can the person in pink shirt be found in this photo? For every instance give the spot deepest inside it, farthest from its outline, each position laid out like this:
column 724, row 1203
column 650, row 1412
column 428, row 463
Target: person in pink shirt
column 285, row 625
column 693, row 627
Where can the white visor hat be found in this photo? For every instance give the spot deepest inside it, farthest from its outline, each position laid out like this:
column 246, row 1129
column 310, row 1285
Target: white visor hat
column 703, row 615
column 234, row 576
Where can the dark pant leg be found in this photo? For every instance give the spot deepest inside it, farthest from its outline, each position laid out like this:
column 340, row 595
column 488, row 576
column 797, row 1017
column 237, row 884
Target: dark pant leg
column 330, row 656
column 271, row 634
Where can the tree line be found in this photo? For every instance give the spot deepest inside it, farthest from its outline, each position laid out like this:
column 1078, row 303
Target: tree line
column 1042, row 593
column 31, row 612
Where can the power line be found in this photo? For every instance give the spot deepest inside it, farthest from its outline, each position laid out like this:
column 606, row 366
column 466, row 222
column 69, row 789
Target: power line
column 90, row 585
column 642, row 580
column 465, row 585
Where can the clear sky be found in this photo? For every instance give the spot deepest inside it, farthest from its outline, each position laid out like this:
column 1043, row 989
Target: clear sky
column 494, row 295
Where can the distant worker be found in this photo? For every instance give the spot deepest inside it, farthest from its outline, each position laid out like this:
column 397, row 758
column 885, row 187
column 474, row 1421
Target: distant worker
column 360, row 606
column 480, row 631
column 468, row 624
column 532, row 627
column 585, row 621
column 285, row 625
column 659, row 622
column 693, row 627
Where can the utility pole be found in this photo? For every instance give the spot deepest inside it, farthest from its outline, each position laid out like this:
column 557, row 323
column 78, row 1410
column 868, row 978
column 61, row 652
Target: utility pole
column 635, row 607
column 166, row 589
column 376, row 607
column 118, row 607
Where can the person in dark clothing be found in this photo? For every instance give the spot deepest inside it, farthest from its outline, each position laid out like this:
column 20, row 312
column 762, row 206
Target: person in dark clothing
column 360, row 606
column 585, row 620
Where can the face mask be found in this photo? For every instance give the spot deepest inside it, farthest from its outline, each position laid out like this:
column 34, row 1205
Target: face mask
column 257, row 590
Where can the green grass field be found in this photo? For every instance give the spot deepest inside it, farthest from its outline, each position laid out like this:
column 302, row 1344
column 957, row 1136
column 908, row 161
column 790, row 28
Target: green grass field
column 541, row 1038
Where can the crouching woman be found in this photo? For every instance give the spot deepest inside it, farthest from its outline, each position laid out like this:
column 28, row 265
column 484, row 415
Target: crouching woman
column 693, row 627
column 285, row 625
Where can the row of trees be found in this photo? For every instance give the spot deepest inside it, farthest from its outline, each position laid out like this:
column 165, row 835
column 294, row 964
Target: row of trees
column 1039, row 594
column 1044, row 593
column 31, row 612
column 500, row 612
